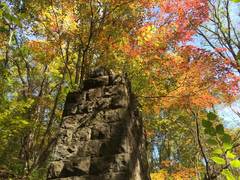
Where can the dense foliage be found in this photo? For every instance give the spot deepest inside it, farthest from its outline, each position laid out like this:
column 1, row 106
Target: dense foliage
column 47, row 48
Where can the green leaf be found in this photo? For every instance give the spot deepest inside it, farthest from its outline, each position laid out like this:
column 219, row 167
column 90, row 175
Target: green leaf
column 3, row 5
column 226, row 139
column 211, row 116
column 218, row 151
column 206, row 123
column 210, row 130
column 220, row 129
column 230, row 155
column 3, row 29
column 228, row 174
column 227, row 146
column 212, row 142
column 24, row 122
column 235, row 163
column 1, row 12
column 218, row 160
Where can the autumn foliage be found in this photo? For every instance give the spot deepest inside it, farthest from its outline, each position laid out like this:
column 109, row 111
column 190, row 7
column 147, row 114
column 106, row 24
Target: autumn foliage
column 49, row 46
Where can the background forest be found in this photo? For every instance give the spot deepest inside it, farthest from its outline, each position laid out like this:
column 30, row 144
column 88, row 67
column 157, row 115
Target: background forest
column 182, row 57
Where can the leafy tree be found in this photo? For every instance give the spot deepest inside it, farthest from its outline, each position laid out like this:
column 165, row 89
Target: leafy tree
column 221, row 33
column 48, row 47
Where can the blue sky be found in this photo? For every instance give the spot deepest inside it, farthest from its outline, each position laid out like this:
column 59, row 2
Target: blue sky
column 231, row 120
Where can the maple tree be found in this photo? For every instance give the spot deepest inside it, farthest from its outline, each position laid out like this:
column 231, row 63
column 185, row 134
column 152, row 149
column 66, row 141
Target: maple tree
column 181, row 76
column 48, row 47
column 220, row 33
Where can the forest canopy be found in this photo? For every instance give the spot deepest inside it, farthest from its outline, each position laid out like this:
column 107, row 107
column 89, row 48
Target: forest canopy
column 182, row 57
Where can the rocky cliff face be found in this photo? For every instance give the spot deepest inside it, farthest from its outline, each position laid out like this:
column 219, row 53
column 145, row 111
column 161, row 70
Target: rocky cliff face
column 102, row 133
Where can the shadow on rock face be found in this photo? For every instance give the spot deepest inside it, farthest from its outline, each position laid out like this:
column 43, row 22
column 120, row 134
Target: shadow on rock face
column 101, row 136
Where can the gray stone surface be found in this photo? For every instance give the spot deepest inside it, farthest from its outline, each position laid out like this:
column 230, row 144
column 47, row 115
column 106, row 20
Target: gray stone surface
column 101, row 136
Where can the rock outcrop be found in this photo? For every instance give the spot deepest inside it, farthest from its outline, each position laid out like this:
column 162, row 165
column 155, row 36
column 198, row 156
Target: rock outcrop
column 101, row 137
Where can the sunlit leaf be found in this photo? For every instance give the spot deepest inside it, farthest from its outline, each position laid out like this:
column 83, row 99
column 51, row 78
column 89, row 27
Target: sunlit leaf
column 218, row 151
column 218, row 160
column 235, row 163
column 227, row 146
column 230, row 155
column 228, row 174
